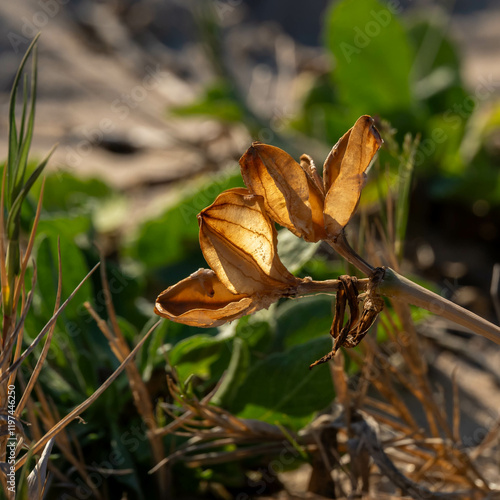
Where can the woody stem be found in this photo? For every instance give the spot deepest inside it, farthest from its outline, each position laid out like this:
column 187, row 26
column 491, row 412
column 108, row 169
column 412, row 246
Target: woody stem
column 398, row 287
column 342, row 247
column 307, row 287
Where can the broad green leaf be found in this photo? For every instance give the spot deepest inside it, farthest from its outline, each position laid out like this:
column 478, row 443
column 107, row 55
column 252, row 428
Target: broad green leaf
column 298, row 321
column 258, row 330
column 65, row 192
column 436, row 68
column 128, row 330
column 294, row 252
column 74, row 265
column 124, row 447
column 373, row 57
column 441, row 144
column 173, row 236
column 198, row 354
column 235, row 374
column 281, row 388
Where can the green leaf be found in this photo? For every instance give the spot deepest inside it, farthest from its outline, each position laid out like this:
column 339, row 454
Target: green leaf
column 74, row 265
column 26, row 139
column 258, row 330
column 151, row 354
column 123, row 444
column 294, row 252
column 219, row 102
column 197, row 355
column 65, row 192
column 436, row 68
column 235, row 374
column 173, row 236
column 281, row 388
column 373, row 57
column 405, row 174
column 14, row 151
column 299, row 321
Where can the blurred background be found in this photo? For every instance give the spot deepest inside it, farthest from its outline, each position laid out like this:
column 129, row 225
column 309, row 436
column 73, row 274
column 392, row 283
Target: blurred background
column 153, row 102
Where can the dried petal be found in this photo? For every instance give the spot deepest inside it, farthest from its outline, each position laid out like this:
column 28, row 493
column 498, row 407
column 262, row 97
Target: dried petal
column 308, row 166
column 239, row 243
column 345, row 173
column 331, row 167
column 202, row 300
column 291, row 197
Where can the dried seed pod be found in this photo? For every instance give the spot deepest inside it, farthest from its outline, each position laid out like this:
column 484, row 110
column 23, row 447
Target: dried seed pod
column 202, row 300
column 358, row 325
column 239, row 242
column 344, row 173
column 291, row 197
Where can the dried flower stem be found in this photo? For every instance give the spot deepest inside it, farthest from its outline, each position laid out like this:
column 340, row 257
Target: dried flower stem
column 342, row 247
column 400, row 288
column 308, row 287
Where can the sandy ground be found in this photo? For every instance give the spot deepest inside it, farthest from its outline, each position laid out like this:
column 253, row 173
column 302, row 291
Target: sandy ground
column 104, row 94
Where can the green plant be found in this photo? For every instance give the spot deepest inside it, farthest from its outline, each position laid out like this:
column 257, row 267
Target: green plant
column 24, row 388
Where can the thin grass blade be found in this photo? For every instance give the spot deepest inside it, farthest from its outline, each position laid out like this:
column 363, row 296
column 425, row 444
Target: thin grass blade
column 26, row 141
column 46, row 328
column 38, row 476
column 16, row 206
column 89, row 401
column 13, row 137
column 45, row 350
column 405, row 175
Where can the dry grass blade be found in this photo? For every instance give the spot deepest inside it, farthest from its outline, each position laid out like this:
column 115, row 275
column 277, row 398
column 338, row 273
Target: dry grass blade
column 337, row 368
column 140, row 392
column 383, row 383
column 49, row 416
column 29, row 248
column 3, row 268
column 178, row 421
column 456, row 408
column 14, row 336
column 45, row 350
column 45, row 329
column 110, row 308
column 495, row 289
column 83, row 406
column 38, row 476
column 210, row 427
column 368, row 435
column 487, row 442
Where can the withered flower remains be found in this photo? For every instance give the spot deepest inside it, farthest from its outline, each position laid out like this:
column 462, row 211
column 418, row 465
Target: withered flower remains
column 238, row 236
column 294, row 194
column 238, row 241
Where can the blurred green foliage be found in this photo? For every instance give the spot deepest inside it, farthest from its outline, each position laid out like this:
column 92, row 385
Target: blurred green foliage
column 406, row 70
column 399, row 68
